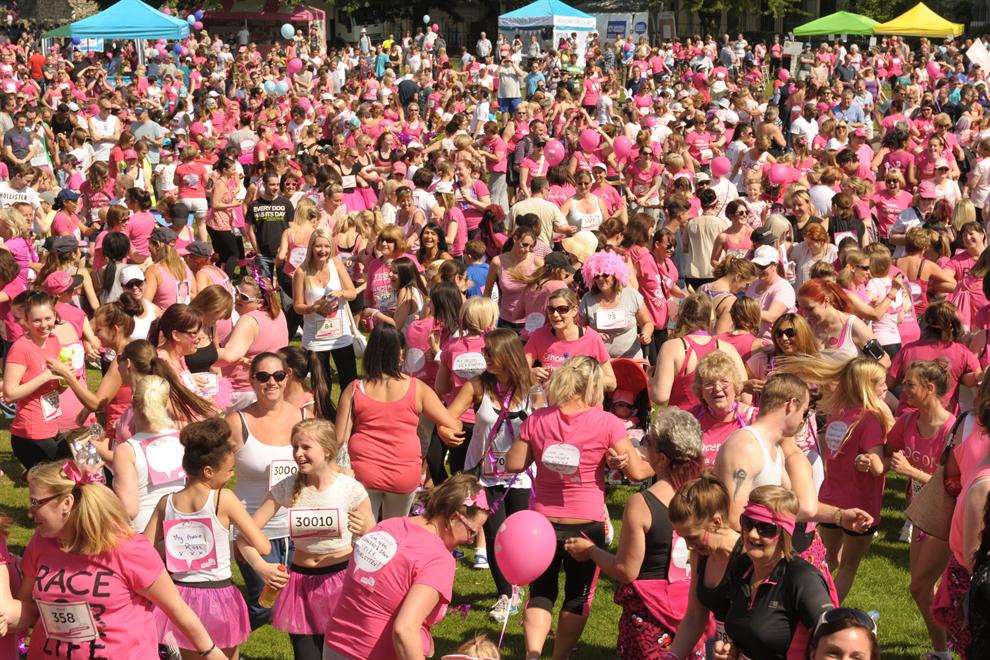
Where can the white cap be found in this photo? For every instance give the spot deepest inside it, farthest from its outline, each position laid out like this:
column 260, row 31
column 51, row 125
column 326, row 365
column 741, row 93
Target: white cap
column 129, row 274
column 765, row 255
column 73, row 106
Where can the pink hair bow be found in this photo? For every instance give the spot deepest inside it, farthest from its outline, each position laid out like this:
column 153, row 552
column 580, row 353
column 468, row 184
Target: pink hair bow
column 81, row 477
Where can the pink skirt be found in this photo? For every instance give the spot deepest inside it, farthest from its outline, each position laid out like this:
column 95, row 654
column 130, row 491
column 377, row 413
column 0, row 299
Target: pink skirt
column 354, row 201
column 221, row 609
column 305, row 603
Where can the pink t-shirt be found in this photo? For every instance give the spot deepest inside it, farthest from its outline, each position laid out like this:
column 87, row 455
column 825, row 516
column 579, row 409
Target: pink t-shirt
column 108, row 583
column 455, row 214
column 544, row 347
column 192, row 180
column 387, row 562
column 714, row 431
column 273, row 334
column 139, row 228
column 65, row 224
column 570, row 452
column 844, row 485
column 654, row 282
column 956, row 357
column 923, row 453
column 38, row 413
column 463, row 357
column 780, row 291
column 12, row 330
column 418, row 362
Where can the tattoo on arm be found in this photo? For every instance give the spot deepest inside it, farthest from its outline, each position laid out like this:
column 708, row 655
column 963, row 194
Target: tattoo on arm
column 739, row 477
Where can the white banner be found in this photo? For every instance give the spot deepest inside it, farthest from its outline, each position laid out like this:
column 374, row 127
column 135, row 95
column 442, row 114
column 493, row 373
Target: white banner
column 978, row 54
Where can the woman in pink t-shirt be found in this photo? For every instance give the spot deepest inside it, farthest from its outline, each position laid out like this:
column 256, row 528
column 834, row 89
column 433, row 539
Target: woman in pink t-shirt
column 117, row 577
column 260, row 328
column 401, row 577
column 914, row 446
column 570, row 441
column 509, row 270
column 191, row 177
column 717, row 385
column 30, row 383
column 168, row 280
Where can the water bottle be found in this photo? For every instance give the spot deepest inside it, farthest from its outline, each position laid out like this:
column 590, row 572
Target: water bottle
column 270, row 593
column 537, row 397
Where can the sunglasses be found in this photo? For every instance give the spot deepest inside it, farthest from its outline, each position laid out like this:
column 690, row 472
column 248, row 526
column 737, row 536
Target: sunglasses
column 790, row 333
column 245, row 298
column 263, row 376
column 841, row 615
column 34, row 505
column 472, row 529
column 863, row 267
column 764, row 529
column 133, row 284
column 560, row 309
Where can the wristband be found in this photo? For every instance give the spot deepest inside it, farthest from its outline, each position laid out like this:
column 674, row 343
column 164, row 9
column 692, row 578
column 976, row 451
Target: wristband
column 838, row 517
column 208, row 651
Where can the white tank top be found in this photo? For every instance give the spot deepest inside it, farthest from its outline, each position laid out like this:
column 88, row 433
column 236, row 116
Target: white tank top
column 578, row 218
column 259, row 467
column 493, row 469
column 325, row 333
column 772, row 473
column 197, row 542
column 142, row 324
column 163, row 451
column 845, row 348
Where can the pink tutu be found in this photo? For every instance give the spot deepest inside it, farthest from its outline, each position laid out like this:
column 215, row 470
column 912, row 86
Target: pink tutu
column 221, row 609
column 370, row 196
column 305, row 603
column 354, row 201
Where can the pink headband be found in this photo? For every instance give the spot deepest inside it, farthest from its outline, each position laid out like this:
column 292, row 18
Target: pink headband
column 479, row 500
column 79, row 476
column 763, row 513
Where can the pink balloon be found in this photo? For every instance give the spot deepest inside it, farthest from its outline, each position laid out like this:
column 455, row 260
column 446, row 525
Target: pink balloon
column 589, row 139
column 185, row 51
column 783, row 75
column 779, row 174
column 435, row 27
column 167, row 10
column 524, row 546
column 554, row 152
column 649, row 121
column 934, row 70
column 721, row 166
column 198, row 25
column 305, row 104
column 622, row 146
column 294, row 65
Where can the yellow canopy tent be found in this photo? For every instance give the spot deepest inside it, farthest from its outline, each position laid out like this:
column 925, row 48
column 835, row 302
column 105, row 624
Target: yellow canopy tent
column 919, row 21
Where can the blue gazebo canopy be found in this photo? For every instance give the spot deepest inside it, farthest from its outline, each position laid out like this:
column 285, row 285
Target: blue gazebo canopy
column 547, row 13
column 127, row 19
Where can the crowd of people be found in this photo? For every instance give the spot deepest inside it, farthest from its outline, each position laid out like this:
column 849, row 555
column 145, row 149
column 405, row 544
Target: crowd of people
column 402, row 293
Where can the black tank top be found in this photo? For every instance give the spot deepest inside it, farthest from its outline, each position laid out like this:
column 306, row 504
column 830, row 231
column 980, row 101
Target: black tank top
column 659, row 538
column 716, row 599
column 202, row 359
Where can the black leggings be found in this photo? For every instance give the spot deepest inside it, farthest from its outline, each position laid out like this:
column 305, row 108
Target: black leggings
column 345, row 361
column 31, row 452
column 580, row 577
column 228, row 249
column 438, row 453
column 292, row 320
column 516, row 500
column 306, row 647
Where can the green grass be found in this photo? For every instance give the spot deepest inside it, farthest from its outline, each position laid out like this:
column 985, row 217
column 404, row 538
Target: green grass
column 882, row 584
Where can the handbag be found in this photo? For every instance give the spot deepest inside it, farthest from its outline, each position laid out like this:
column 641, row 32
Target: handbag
column 360, row 342
column 931, row 507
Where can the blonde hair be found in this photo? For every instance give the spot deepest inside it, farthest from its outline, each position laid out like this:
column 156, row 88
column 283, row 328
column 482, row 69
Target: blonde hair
column 714, row 366
column 97, row 521
column 850, row 384
column 964, row 212
column 580, row 377
column 308, row 267
column 306, row 213
column 14, row 223
column 479, row 315
column 323, row 432
column 479, row 647
column 150, row 401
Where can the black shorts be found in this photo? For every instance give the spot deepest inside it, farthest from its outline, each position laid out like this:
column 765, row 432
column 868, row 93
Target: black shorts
column 869, row 532
column 580, row 577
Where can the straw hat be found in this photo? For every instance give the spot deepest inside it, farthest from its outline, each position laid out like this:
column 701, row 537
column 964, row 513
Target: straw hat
column 581, row 245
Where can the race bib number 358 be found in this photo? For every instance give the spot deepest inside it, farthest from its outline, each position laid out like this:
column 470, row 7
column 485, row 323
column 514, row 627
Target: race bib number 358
column 68, row 622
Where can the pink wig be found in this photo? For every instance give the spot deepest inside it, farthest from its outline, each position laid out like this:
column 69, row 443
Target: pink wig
column 607, row 263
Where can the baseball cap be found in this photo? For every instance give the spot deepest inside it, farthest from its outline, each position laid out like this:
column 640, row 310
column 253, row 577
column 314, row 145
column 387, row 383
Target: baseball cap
column 940, row 163
column 558, row 261
column 702, row 176
column 762, row 236
column 199, row 249
column 765, row 255
column 64, row 244
column 859, row 132
column 926, row 190
column 73, row 107
column 164, row 235
column 599, row 166
column 67, row 195
column 130, row 273
column 445, row 188
column 59, row 282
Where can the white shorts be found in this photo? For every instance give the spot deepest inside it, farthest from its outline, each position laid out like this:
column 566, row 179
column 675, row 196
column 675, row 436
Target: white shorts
column 196, row 205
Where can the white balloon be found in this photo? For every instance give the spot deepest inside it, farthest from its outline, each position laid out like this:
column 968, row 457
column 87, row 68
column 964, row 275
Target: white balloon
column 288, row 31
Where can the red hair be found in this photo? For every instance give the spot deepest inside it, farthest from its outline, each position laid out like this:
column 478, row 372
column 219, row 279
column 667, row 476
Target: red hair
column 822, row 291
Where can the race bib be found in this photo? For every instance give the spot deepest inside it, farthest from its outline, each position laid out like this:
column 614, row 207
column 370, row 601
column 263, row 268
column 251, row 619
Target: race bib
column 68, row 622
column 415, row 360
column 386, row 300
column 182, row 292
column 564, row 459
column 191, row 180
column 297, row 255
column 534, row 322
column 469, row 365
column 591, row 222
column 50, row 407
column 331, row 328
column 610, row 319
column 841, row 235
column 207, row 384
column 835, row 433
column 493, row 464
column 706, row 154
column 915, row 289
column 318, row 523
column 348, row 181
column 188, row 380
column 280, row 470
column 164, row 463
column 189, row 545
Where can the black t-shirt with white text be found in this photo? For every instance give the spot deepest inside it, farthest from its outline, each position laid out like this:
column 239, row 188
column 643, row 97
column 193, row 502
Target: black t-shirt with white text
column 269, row 217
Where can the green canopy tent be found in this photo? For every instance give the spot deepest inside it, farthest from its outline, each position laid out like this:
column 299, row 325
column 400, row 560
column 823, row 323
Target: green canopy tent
column 841, row 22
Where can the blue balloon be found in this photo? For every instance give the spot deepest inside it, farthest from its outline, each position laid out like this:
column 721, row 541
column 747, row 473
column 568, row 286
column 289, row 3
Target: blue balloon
column 191, row 18
column 177, row 49
column 269, row 87
column 76, row 41
column 199, row 14
column 288, row 31
column 281, row 88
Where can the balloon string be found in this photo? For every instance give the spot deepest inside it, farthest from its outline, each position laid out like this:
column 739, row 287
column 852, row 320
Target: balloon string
column 505, row 622
column 497, row 503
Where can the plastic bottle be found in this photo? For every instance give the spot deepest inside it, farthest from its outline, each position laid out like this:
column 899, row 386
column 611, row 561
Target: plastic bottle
column 269, row 593
column 537, row 396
